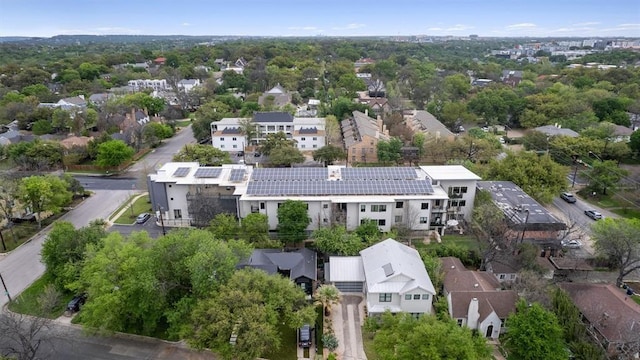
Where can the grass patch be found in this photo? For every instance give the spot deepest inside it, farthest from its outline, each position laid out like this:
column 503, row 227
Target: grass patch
column 288, row 345
column 183, row 123
column 627, row 212
column 636, row 298
column 319, row 329
column 128, row 217
column 367, row 342
column 466, row 241
column 27, row 302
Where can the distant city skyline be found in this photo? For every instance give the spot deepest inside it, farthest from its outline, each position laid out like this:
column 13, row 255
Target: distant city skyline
column 490, row 18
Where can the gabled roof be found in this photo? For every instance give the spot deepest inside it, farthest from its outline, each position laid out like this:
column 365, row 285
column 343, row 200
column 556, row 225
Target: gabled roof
column 430, row 124
column 502, row 303
column 552, row 130
column 391, row 267
column 299, row 263
column 607, row 309
column 278, row 89
column 458, row 278
column 622, row 131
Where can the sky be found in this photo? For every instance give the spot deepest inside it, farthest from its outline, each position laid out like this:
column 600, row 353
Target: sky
column 499, row 18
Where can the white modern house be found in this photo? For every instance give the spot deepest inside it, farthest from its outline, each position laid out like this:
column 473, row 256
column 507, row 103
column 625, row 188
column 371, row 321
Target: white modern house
column 391, row 275
column 334, row 195
column 141, row 84
column 309, row 133
column 187, row 85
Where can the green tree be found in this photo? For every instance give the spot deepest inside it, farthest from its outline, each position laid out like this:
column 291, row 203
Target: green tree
column 604, row 175
column 619, row 241
column 539, row 176
column 634, row 142
column 224, row 226
column 275, row 141
column 534, row 333
column 113, row 153
column 401, row 336
column 153, row 133
column 389, row 151
column 63, row 251
column 329, row 154
column 253, row 306
column 293, row 219
column 42, row 127
column 285, row 156
column 457, row 86
column 43, row 193
column 336, row 240
column 327, row 296
column 255, row 229
column 249, row 130
column 205, row 155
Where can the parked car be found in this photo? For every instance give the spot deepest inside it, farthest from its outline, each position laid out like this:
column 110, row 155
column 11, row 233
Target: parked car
column 304, row 336
column 142, row 218
column 593, row 214
column 485, row 128
column 76, row 303
column 568, row 197
column 257, row 154
column 573, row 244
column 240, row 153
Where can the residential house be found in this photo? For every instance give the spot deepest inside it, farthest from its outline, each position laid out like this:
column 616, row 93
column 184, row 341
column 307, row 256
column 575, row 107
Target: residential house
column 475, row 298
column 425, row 122
column 334, row 195
column 15, row 136
column 75, row 103
column 139, row 116
column 481, row 82
column 612, row 318
column 187, row 85
column 556, row 130
column 528, row 221
column 100, row 99
column 511, row 77
column 361, row 135
column 622, row 134
column 154, row 84
column 308, row 133
column 276, row 97
column 142, row 65
column 376, row 88
column 202, row 68
column 298, row 265
column 379, row 105
column 391, row 275
column 160, row 61
column 362, row 62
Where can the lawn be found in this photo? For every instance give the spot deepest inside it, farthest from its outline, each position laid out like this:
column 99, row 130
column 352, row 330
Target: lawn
column 288, row 346
column 140, row 205
column 367, row 340
column 183, row 123
column 627, row 212
column 466, row 241
column 27, row 302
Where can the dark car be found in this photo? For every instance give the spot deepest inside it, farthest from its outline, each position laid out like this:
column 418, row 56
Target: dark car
column 240, row 153
column 304, row 336
column 76, row 303
column 257, row 154
column 142, row 218
column 568, row 197
column 593, row 214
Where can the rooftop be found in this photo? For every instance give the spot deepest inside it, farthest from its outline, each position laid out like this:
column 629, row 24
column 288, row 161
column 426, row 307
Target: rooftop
column 266, row 117
column 449, row 172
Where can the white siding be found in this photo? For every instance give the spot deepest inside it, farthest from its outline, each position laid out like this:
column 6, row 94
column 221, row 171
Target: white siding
column 177, row 199
column 416, row 306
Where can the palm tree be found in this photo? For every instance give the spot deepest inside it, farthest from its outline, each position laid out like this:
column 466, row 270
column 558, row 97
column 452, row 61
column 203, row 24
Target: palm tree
column 327, row 296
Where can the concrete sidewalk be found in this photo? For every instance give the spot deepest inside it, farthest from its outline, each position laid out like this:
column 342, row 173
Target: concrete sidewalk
column 347, row 319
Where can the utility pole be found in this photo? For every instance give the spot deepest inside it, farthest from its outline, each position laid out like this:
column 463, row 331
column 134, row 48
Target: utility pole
column 6, row 291
column 162, row 221
column 4, row 246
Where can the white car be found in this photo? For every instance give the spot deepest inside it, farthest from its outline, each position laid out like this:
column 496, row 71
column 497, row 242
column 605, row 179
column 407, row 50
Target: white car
column 572, row 244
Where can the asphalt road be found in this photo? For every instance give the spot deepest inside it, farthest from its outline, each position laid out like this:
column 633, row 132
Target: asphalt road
column 163, row 154
column 111, row 183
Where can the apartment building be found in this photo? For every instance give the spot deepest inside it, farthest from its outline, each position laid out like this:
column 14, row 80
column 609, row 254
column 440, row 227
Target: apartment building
column 141, row 84
column 361, row 134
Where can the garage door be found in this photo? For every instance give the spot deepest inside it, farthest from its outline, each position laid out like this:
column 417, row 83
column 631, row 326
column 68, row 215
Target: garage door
column 349, row 286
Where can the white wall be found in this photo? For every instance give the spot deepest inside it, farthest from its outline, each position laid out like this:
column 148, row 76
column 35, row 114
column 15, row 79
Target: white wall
column 373, row 299
column 226, row 142
column 468, row 197
column 177, row 199
column 494, row 320
column 309, row 141
column 416, row 306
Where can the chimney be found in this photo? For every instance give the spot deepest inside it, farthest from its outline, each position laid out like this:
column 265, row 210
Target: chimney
column 366, row 112
column 473, row 314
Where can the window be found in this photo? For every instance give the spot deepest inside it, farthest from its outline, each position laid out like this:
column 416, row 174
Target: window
column 221, row 139
column 325, row 206
column 384, row 297
column 424, row 220
column 407, row 297
column 302, row 146
column 315, row 146
column 378, row 208
column 513, row 276
column 280, row 127
column 171, row 199
column 398, row 219
column 462, row 202
column 437, row 203
column 459, row 322
column 382, row 222
column 453, row 203
column 363, row 208
column 416, row 296
column 234, row 139
column 261, row 206
column 315, row 139
column 271, row 128
column 222, row 146
column 303, row 139
column 424, row 206
column 463, row 189
column 169, row 185
column 177, row 214
column 501, row 276
column 235, row 146
column 399, row 205
column 425, row 296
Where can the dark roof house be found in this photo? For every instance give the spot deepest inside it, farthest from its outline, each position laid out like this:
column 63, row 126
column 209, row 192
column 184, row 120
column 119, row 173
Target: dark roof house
column 300, row 265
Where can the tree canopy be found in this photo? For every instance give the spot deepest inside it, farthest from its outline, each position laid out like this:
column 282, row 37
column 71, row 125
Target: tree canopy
column 113, row 153
column 619, row 241
column 293, row 219
column 44, row 193
column 205, row 155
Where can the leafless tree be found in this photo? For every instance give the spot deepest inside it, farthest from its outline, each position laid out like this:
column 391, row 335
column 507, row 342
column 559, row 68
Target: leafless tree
column 8, row 196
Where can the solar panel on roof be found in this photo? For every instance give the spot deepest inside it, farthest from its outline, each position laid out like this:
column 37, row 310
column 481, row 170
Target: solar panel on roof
column 181, row 172
column 378, row 173
column 236, row 175
column 329, row 188
column 270, row 174
column 208, row 172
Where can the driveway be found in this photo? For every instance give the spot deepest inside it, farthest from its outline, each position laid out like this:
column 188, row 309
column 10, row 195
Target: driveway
column 348, row 318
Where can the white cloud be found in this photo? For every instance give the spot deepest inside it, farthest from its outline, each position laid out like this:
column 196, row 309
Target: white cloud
column 588, row 23
column 456, row 27
column 186, row 24
column 521, row 26
column 351, row 26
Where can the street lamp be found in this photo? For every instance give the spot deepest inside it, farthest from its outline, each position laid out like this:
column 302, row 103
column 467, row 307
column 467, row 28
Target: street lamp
column 161, row 220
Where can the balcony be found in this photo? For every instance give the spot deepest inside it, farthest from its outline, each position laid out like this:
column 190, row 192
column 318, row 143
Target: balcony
column 455, row 195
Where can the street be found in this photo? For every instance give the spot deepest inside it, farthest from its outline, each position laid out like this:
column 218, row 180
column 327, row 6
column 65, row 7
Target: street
column 163, row 154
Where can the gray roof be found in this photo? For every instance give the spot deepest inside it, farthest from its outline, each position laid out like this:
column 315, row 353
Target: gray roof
column 188, row 82
column 552, row 130
column 101, row 97
column 309, row 130
column 360, row 125
column 275, row 116
column 514, row 202
column 392, row 267
column 430, row 124
column 232, row 130
column 75, row 100
column 299, row 263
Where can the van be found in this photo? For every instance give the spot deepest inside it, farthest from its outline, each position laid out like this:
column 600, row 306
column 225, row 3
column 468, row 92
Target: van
column 304, row 336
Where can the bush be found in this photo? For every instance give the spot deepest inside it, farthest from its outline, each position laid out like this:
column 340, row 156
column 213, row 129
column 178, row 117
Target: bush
column 330, row 342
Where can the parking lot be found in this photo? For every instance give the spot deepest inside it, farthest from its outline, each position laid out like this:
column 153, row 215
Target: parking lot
column 150, row 226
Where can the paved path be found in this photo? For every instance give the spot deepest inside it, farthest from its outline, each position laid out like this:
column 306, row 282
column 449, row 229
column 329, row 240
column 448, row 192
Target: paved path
column 347, row 319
